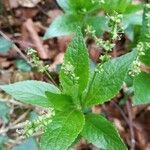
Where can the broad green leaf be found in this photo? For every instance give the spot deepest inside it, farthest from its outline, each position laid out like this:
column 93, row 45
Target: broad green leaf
column 131, row 19
column 102, row 133
column 30, row 91
column 130, row 23
column 133, row 8
column 4, row 112
column 63, row 130
column 59, row 101
column 98, row 23
column 76, row 59
column 116, row 5
column 145, row 35
column 29, row 144
column 63, row 25
column 79, row 6
column 142, row 89
column 5, row 45
column 106, row 83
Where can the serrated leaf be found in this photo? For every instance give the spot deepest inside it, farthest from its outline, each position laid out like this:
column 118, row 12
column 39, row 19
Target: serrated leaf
column 77, row 57
column 63, row 130
column 59, row 101
column 116, row 5
column 5, row 45
column 102, row 133
column 30, row 91
column 145, row 36
column 133, row 8
column 108, row 82
column 79, row 6
column 63, row 25
column 142, row 89
column 98, row 23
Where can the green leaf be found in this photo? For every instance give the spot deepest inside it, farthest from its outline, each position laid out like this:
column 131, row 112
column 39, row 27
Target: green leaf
column 29, row 144
column 106, row 83
column 30, row 91
column 133, row 8
column 79, row 6
column 63, row 25
column 98, row 23
column 63, row 130
column 102, row 133
column 132, row 19
column 77, row 58
column 5, row 45
column 22, row 65
column 142, row 89
column 4, row 112
column 145, row 36
column 59, row 101
column 116, row 5
column 64, row 4
column 130, row 23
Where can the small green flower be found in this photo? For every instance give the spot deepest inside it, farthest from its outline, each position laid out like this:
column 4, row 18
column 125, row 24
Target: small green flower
column 69, row 71
column 39, row 124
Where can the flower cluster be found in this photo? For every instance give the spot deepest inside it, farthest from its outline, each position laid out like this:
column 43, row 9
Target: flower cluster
column 36, row 61
column 114, row 29
column 142, row 46
column 114, row 25
column 69, row 71
column 39, row 124
column 135, row 69
column 106, row 45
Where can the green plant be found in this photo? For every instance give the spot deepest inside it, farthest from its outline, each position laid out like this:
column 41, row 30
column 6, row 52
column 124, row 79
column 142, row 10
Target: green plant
column 68, row 107
column 80, row 90
column 130, row 22
column 142, row 80
column 85, row 13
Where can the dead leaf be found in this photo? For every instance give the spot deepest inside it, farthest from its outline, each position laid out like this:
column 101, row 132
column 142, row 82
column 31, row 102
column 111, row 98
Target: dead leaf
column 28, row 3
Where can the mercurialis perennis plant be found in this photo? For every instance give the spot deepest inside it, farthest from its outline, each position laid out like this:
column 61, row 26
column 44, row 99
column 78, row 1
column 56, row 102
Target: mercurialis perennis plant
column 68, row 106
column 66, row 118
column 142, row 80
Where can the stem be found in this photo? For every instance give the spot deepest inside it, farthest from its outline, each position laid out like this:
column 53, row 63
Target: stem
column 15, row 47
column 129, row 109
column 50, row 77
column 122, row 112
column 24, row 57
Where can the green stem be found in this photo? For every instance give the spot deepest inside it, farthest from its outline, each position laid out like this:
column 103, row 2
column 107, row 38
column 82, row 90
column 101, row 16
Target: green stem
column 50, row 77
